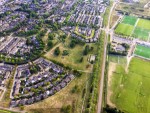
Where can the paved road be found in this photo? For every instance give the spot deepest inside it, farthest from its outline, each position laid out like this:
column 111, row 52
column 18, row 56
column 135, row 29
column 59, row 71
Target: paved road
column 99, row 109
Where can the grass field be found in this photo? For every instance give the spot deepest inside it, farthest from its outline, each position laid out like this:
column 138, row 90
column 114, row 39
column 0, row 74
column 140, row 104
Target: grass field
column 140, row 33
column 124, row 29
column 129, row 20
column 142, row 51
column 131, row 92
column 118, row 59
column 143, row 23
column 6, row 111
column 141, row 29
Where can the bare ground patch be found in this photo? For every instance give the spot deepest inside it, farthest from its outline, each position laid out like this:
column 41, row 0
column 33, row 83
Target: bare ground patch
column 112, row 68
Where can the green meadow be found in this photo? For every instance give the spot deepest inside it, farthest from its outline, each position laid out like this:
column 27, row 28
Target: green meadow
column 130, row 89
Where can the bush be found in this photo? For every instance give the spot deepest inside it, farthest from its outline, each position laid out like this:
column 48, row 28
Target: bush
column 109, row 109
column 65, row 53
column 75, row 89
column 66, row 109
column 21, row 107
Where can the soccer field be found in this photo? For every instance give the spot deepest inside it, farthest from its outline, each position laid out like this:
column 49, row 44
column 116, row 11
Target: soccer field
column 124, row 29
column 142, row 51
column 129, row 20
column 130, row 91
column 143, row 23
column 128, row 27
column 140, row 33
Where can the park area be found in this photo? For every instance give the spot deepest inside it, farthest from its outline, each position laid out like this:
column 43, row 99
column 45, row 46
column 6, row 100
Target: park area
column 142, row 51
column 134, row 27
column 130, row 88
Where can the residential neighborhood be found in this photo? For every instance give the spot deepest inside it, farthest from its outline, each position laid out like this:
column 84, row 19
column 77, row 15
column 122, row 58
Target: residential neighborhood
column 49, row 53
column 30, row 86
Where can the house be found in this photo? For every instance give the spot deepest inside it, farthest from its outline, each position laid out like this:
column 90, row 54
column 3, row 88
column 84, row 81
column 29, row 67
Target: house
column 30, row 100
column 14, row 103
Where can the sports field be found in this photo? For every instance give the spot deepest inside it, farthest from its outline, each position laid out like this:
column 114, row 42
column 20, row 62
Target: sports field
column 130, row 91
column 140, row 33
column 124, row 29
column 142, row 51
column 143, row 23
column 135, row 27
column 129, row 20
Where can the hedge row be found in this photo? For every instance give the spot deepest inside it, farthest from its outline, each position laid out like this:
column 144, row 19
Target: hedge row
column 94, row 88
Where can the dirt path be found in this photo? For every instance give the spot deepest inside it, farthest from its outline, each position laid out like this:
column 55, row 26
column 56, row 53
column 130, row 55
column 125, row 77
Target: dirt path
column 128, row 62
column 112, row 68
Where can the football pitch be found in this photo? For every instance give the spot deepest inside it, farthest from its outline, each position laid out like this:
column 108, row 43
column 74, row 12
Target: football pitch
column 129, row 20
column 124, row 29
column 142, row 51
column 140, row 33
column 135, row 27
column 145, row 24
column 130, row 91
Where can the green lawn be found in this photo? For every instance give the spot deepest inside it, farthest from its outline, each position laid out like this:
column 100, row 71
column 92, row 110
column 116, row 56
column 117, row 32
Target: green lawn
column 124, row 29
column 141, row 33
column 6, row 111
column 143, row 23
column 131, row 92
column 129, row 20
column 142, row 51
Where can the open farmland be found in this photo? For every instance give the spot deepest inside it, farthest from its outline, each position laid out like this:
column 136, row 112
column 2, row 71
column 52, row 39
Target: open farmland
column 131, row 90
column 142, row 51
column 124, row 29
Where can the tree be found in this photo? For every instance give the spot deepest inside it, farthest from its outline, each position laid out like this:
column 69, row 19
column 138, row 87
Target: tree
column 50, row 44
column 81, row 60
column 57, row 51
column 86, row 50
column 50, row 36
